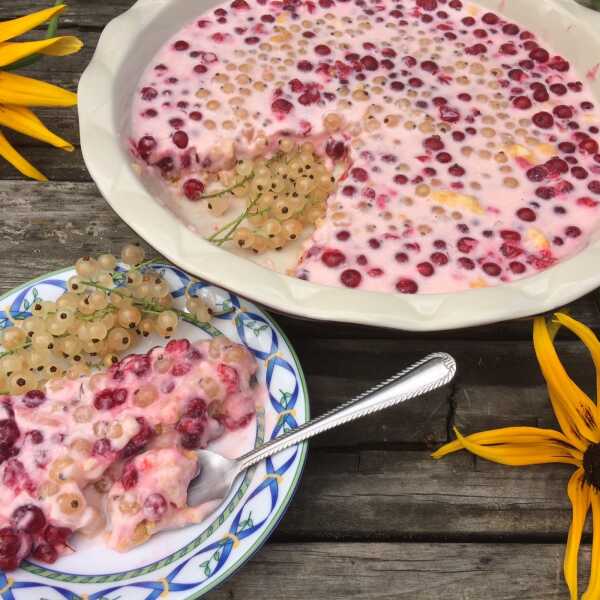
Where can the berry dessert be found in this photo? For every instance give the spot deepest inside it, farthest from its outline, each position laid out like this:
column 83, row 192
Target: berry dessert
column 117, row 443
column 464, row 150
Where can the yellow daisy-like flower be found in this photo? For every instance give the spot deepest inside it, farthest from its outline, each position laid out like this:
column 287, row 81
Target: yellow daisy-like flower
column 578, row 444
column 18, row 93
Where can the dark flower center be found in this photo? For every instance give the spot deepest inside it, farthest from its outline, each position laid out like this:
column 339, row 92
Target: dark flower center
column 591, row 465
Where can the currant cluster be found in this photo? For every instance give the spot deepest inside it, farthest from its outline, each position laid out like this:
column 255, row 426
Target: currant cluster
column 100, row 316
column 284, row 195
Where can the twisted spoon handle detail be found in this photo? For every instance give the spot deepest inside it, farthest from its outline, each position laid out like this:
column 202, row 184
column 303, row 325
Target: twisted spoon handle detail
column 430, row 373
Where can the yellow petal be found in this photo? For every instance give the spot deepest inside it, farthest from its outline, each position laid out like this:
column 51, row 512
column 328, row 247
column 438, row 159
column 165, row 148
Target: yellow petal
column 505, row 435
column 554, row 325
column 24, row 91
column 518, row 455
column 61, row 46
column 587, row 336
column 446, row 449
column 593, row 590
column 574, row 410
column 15, row 27
column 570, row 430
column 24, row 121
column 57, row 46
column 15, row 159
column 579, row 495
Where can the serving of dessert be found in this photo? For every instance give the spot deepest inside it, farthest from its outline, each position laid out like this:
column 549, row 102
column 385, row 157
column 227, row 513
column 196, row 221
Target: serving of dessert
column 129, row 433
column 100, row 418
column 414, row 146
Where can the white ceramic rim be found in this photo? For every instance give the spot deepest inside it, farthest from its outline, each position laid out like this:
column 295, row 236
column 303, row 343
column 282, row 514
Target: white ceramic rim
column 105, row 154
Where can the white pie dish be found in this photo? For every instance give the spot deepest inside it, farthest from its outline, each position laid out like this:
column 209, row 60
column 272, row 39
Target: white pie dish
column 105, row 91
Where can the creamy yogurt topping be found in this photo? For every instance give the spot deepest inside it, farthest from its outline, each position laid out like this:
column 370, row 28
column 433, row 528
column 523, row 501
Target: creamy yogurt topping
column 117, row 444
column 469, row 147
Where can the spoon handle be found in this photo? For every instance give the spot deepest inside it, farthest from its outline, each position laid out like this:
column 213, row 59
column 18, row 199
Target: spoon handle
column 430, row 373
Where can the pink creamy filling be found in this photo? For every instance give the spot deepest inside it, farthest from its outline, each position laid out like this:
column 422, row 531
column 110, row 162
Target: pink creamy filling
column 150, row 496
column 472, row 146
column 72, row 451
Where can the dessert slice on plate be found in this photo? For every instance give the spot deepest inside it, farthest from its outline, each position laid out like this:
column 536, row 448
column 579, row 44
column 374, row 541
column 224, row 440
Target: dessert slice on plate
column 118, row 442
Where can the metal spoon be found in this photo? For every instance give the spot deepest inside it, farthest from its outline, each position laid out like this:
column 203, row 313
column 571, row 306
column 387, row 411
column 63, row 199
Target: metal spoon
column 216, row 474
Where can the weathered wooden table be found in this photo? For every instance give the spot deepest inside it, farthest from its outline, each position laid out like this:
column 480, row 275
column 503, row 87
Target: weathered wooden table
column 375, row 516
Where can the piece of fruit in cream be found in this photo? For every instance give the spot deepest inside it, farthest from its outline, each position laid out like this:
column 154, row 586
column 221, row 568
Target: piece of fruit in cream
column 150, row 496
column 117, row 444
column 468, row 146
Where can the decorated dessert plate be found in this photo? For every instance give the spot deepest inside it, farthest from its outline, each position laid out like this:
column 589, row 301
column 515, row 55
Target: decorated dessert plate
column 186, row 562
column 505, row 226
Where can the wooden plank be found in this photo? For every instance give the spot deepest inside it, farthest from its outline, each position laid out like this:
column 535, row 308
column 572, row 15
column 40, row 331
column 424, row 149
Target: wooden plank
column 498, row 384
column 56, row 165
column 484, row 363
column 419, row 423
column 79, row 12
column 584, row 309
column 47, row 226
column 406, row 495
column 402, row 571
column 480, row 407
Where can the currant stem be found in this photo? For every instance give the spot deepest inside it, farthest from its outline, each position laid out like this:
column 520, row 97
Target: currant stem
column 145, row 306
column 105, row 289
column 150, row 307
column 229, row 189
column 96, row 315
column 214, row 238
column 139, row 267
column 151, row 311
column 232, row 225
column 14, row 350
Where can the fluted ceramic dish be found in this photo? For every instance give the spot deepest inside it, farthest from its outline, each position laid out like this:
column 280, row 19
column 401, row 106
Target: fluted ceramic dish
column 105, row 91
column 185, row 563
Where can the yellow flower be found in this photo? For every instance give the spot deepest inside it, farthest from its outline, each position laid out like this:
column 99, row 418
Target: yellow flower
column 17, row 93
column 577, row 444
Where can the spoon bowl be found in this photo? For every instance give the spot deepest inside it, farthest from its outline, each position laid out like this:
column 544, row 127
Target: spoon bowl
column 215, row 477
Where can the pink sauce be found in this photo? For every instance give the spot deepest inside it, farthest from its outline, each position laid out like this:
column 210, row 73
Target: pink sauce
column 469, row 147
column 119, row 444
